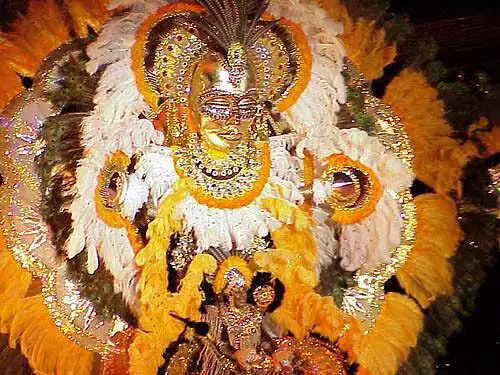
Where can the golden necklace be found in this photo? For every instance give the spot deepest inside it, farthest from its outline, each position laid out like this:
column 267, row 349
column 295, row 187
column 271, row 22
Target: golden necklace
column 230, row 182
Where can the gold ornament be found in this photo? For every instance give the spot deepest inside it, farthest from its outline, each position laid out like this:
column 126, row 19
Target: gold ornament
column 177, row 45
column 355, row 189
column 264, row 296
column 230, row 182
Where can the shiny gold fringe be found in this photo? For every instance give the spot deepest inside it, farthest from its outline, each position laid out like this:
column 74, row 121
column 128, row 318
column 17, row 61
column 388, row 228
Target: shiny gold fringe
column 27, row 321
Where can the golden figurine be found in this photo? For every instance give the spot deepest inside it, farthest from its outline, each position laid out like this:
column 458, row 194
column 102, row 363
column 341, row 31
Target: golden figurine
column 239, row 337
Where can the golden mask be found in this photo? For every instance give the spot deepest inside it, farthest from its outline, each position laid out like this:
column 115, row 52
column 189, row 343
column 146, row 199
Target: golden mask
column 224, row 107
column 215, row 84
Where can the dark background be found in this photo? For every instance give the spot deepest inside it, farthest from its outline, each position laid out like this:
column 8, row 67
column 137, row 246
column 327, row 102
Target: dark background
column 468, row 37
column 467, row 32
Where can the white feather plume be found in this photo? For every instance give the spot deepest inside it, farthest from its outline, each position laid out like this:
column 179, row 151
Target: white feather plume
column 113, row 125
column 325, row 236
column 317, row 107
column 370, row 241
column 226, row 229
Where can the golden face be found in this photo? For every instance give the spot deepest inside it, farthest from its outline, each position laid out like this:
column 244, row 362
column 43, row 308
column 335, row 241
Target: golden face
column 224, row 108
column 238, row 297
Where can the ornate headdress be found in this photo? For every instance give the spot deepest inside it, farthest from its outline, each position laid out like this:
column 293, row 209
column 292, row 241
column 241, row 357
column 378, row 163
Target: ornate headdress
column 244, row 39
column 234, row 272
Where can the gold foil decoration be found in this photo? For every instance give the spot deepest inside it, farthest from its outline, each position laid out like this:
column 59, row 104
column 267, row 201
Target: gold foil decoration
column 365, row 298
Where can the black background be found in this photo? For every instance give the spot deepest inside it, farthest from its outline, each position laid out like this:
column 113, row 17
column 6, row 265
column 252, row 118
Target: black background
column 468, row 35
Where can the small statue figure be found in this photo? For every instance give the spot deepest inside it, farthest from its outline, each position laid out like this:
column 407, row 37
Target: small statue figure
column 237, row 336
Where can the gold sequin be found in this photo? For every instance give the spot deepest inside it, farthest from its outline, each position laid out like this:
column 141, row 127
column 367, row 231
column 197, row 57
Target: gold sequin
column 364, row 300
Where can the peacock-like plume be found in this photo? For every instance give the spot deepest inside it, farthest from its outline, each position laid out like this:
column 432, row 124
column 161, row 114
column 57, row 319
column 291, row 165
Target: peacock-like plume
column 230, row 22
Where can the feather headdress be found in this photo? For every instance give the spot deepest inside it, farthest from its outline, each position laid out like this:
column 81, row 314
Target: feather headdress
column 234, row 21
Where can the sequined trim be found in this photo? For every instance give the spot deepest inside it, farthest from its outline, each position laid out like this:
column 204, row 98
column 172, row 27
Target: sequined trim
column 365, row 299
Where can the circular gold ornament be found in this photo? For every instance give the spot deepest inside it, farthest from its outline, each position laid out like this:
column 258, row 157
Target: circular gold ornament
column 355, row 192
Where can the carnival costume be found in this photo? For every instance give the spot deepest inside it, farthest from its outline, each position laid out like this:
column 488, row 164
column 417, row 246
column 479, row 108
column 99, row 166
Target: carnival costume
column 188, row 190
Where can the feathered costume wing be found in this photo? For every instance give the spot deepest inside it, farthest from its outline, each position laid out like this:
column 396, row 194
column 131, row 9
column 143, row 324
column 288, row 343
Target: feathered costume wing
column 70, row 274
